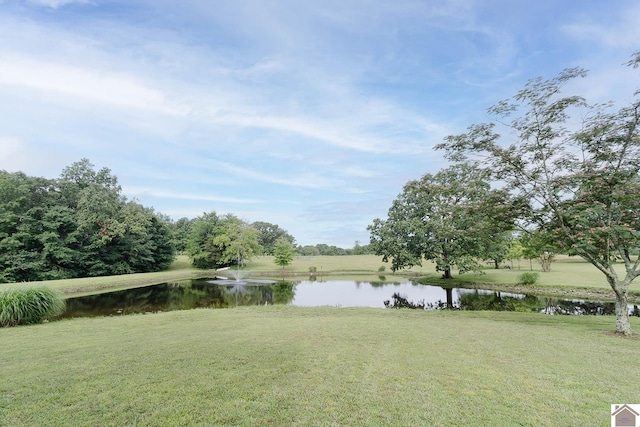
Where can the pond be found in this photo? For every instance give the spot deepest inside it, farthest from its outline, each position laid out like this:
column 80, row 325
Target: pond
column 203, row 293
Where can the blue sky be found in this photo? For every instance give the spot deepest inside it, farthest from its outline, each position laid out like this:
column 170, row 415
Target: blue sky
column 307, row 114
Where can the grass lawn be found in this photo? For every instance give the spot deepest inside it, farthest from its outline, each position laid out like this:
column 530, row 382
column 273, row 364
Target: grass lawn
column 317, row 366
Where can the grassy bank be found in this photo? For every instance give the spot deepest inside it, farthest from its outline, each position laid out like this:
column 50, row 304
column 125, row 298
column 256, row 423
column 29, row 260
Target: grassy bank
column 317, row 366
column 181, row 269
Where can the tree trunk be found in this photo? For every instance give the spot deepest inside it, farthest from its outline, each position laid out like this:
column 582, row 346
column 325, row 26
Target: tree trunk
column 496, row 264
column 447, row 274
column 623, row 326
column 449, row 292
column 545, row 261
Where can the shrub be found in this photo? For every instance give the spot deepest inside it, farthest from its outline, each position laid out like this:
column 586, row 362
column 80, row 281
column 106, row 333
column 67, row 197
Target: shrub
column 528, row 278
column 381, row 268
column 312, row 269
column 29, row 306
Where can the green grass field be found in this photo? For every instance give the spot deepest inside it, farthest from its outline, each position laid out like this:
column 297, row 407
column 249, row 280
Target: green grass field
column 317, row 367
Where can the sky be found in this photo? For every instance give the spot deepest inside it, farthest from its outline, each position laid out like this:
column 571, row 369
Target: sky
column 308, row 114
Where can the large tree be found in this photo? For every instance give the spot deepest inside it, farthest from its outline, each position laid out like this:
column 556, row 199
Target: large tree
column 442, row 218
column 221, row 241
column 201, row 248
column 581, row 179
column 237, row 240
column 269, row 234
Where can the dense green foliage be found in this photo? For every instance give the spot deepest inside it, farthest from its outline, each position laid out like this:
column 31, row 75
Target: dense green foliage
column 529, row 278
column 76, row 226
column 181, row 230
column 269, row 235
column 216, row 241
column 452, row 218
column 29, row 305
column 582, row 185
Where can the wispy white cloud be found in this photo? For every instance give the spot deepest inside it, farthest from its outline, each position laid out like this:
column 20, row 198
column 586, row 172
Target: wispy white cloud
column 83, row 83
column 54, row 4
column 318, row 129
column 18, row 156
column 359, row 172
column 305, row 180
column 74, row 84
column 146, row 192
column 618, row 29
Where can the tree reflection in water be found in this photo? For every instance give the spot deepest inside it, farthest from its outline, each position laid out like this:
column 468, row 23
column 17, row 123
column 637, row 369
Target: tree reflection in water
column 183, row 295
column 201, row 293
column 496, row 301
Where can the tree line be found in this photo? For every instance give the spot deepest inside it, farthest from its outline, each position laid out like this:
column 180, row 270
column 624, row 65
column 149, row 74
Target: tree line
column 81, row 225
column 76, row 226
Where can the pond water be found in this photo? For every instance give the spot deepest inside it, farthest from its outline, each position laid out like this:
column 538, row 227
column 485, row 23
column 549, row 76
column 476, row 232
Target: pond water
column 202, row 293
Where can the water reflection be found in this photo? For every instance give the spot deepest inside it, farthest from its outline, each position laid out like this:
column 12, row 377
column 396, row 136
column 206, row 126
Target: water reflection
column 252, row 293
column 477, row 300
column 202, row 293
column 353, row 293
column 498, row 301
column 183, row 295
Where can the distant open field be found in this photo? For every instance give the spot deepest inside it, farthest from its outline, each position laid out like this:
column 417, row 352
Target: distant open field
column 335, row 265
column 569, row 276
column 282, row 365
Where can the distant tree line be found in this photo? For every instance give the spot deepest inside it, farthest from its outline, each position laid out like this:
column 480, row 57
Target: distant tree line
column 214, row 241
column 331, row 250
column 76, row 226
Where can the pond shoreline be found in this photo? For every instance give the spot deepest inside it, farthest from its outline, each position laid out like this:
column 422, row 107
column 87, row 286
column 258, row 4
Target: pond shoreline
column 558, row 291
column 547, row 291
column 343, row 292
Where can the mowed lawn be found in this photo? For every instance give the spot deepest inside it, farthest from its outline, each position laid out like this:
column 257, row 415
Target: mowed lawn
column 322, row 366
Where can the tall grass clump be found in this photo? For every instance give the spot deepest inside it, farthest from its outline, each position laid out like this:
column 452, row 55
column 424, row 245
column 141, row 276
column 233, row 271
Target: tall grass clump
column 29, row 306
column 528, row 279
